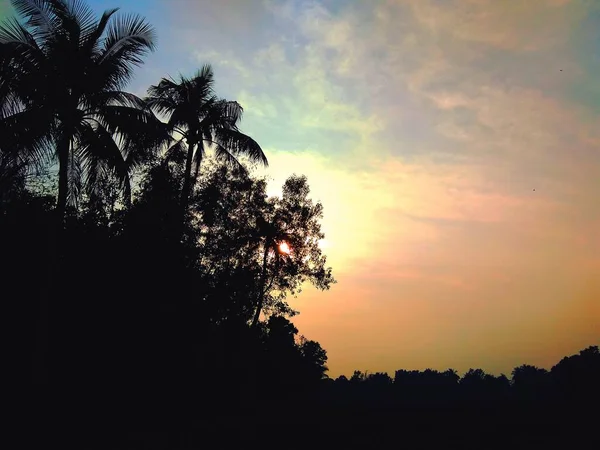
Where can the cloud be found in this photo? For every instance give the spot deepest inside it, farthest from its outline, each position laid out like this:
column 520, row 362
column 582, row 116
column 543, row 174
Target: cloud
column 291, row 69
column 260, row 106
column 511, row 25
column 222, row 60
column 459, row 177
column 468, row 228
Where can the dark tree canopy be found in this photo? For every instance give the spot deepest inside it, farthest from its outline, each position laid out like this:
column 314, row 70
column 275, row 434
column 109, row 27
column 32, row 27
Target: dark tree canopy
column 198, row 120
column 62, row 77
column 240, row 233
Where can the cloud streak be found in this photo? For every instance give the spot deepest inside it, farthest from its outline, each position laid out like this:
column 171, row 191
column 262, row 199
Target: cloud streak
column 456, row 161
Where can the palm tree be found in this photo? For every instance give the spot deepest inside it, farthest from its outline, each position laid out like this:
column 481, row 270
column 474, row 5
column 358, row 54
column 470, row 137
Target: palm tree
column 61, row 92
column 201, row 119
column 62, row 74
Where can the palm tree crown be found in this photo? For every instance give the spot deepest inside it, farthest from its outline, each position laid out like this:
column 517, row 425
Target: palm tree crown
column 200, row 118
column 61, row 91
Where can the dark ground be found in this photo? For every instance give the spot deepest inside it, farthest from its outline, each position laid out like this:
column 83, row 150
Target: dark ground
column 167, row 426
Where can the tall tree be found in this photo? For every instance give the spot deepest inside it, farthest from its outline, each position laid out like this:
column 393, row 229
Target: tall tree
column 290, row 231
column 256, row 251
column 201, row 119
column 61, row 92
column 62, row 75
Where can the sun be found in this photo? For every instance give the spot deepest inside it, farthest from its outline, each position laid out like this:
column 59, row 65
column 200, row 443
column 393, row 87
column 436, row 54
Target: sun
column 284, row 248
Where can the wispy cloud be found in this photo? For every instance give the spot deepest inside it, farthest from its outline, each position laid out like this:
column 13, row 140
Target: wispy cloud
column 455, row 156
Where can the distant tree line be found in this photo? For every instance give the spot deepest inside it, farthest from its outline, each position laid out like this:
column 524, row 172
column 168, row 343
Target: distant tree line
column 571, row 382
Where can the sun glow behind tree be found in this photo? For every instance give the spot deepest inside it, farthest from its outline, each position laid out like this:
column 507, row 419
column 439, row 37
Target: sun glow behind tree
column 284, row 248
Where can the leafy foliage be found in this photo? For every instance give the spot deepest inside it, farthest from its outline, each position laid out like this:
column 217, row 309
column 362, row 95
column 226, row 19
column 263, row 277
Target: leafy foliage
column 201, row 120
column 61, row 92
column 240, row 233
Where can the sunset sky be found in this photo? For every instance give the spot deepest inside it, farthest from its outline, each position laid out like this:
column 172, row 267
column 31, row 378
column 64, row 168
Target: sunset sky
column 455, row 146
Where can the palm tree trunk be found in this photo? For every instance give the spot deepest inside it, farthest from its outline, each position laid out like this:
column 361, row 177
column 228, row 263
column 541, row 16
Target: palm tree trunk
column 187, row 183
column 263, row 280
column 56, row 249
column 63, row 181
column 56, row 243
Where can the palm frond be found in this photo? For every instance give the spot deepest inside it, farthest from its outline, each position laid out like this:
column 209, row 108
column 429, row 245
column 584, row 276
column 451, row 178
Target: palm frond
column 200, row 87
column 238, row 143
column 128, row 39
column 184, row 99
column 12, row 32
column 94, row 101
column 129, row 36
column 209, row 117
column 29, row 132
column 222, row 154
column 68, row 29
column 100, row 155
column 77, row 15
column 232, row 111
column 91, row 37
column 134, row 127
column 205, row 75
column 162, row 106
column 217, row 114
column 183, row 102
column 165, row 89
column 10, row 103
column 22, row 64
column 39, row 16
column 176, row 153
column 163, row 98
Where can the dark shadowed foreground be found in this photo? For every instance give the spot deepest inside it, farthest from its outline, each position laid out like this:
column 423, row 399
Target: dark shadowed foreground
column 152, row 342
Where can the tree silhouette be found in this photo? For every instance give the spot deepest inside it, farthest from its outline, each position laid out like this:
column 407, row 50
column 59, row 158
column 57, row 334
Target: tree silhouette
column 240, row 232
column 531, row 383
column 315, row 358
column 200, row 118
column 61, row 94
column 575, row 378
column 293, row 220
column 62, row 78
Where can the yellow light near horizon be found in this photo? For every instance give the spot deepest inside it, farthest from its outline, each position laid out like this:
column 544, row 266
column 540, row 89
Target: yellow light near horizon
column 323, row 244
column 284, row 248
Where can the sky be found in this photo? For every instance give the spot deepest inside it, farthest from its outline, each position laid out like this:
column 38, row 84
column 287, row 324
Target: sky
column 455, row 146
